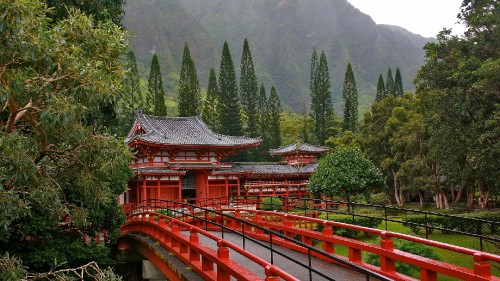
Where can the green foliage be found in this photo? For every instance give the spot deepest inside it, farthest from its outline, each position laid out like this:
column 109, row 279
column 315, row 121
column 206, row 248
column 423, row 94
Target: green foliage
column 371, row 221
column 58, row 170
column 321, row 96
column 380, row 89
column 155, row 101
column 350, row 95
column 464, row 225
column 390, row 87
column 249, row 91
column 229, row 102
column 11, row 268
column 346, row 173
column 189, row 88
column 101, row 11
column 209, row 112
column 132, row 97
column 409, row 247
column 274, row 112
column 346, row 139
column 271, row 204
column 380, row 198
column 398, row 84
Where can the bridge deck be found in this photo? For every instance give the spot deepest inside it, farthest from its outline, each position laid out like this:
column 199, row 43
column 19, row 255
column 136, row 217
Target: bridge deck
column 332, row 270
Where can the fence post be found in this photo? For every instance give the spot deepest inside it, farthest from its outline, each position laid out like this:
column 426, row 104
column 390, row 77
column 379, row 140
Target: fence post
column 385, row 214
column 426, row 227
column 387, row 264
column 223, row 255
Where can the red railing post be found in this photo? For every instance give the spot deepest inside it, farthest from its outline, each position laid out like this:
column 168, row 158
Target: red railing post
column 223, row 255
column 481, row 266
column 270, row 276
column 428, row 275
column 194, row 239
column 328, row 246
column 354, row 255
column 386, row 264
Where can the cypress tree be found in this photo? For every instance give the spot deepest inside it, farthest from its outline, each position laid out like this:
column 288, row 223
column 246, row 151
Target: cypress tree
column 209, row 112
column 249, row 90
column 133, row 97
column 156, row 95
column 229, row 103
column 380, row 89
column 261, row 153
column 389, row 83
column 321, row 100
column 274, row 107
column 398, row 84
column 350, row 95
column 189, row 88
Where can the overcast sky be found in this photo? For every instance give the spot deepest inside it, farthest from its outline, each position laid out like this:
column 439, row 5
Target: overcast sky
column 424, row 17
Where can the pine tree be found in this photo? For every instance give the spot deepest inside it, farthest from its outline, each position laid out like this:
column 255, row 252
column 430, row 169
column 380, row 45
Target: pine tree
column 274, row 107
column 398, row 84
column 389, row 84
column 321, row 100
column 156, row 96
column 380, row 89
column 350, row 95
column 249, row 90
column 209, row 112
column 229, row 103
column 132, row 99
column 261, row 153
column 189, row 88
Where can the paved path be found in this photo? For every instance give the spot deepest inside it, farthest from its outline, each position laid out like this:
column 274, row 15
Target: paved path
column 285, row 261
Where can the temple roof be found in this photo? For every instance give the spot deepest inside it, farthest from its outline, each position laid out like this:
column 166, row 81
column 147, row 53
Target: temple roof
column 157, row 171
column 269, row 168
column 190, row 131
column 299, row 147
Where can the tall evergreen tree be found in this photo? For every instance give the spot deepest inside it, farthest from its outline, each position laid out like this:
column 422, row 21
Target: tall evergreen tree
column 209, row 112
column 249, row 91
column 314, row 72
column 350, row 95
column 380, row 89
column 398, row 84
column 321, row 100
column 274, row 107
column 261, row 153
column 389, row 84
column 189, row 88
column 132, row 99
column 229, row 102
column 156, row 95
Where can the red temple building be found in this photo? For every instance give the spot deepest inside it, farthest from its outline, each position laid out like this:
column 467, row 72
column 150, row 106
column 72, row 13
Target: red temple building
column 180, row 158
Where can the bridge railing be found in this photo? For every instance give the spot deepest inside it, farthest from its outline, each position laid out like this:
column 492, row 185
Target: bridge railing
column 203, row 219
column 306, row 228
column 310, row 205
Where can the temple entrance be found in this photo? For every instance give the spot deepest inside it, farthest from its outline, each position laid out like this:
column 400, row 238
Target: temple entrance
column 188, row 185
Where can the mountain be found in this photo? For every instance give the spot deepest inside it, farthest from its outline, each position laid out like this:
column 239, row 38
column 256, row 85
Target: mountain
column 282, row 35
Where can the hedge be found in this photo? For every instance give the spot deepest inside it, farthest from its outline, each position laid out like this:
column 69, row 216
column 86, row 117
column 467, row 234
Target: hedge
column 455, row 223
column 371, row 221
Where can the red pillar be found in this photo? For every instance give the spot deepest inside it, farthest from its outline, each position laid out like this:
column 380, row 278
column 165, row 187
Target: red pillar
column 158, row 188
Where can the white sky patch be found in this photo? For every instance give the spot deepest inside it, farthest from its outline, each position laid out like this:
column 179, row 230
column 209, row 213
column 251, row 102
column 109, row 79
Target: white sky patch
column 424, row 17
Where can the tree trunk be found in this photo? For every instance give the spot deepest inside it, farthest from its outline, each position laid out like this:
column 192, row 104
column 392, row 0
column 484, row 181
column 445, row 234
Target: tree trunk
column 396, row 195
column 421, row 198
column 470, row 196
column 452, row 191
column 459, row 195
column 445, row 200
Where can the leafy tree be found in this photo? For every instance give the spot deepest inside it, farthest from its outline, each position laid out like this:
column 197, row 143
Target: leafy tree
column 321, row 100
column 390, row 87
column 346, row 173
column 57, row 172
column 189, row 88
column 100, row 10
column 209, row 112
column 398, row 84
column 459, row 90
column 274, row 111
column 249, row 91
column 229, row 102
column 155, row 101
column 347, row 139
column 380, row 89
column 350, row 95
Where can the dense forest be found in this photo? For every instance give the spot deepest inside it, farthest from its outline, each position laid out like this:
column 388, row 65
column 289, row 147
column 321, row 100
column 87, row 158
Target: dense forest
column 71, row 85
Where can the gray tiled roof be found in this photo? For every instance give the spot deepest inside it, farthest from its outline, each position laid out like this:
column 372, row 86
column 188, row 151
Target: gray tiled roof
column 184, row 131
column 157, row 170
column 267, row 169
column 299, row 147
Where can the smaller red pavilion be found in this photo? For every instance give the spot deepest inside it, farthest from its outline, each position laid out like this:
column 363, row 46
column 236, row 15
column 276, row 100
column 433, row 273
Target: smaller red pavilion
column 180, row 158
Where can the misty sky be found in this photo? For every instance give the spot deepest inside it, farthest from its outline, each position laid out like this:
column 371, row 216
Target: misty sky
column 424, row 17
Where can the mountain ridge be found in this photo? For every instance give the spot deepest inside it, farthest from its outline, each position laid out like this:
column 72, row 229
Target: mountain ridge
column 282, row 35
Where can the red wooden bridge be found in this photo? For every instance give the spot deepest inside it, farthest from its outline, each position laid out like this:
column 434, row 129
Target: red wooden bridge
column 188, row 242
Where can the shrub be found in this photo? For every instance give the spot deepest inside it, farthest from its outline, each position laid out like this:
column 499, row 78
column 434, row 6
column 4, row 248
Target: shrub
column 271, row 204
column 379, row 198
column 409, row 247
column 371, row 221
